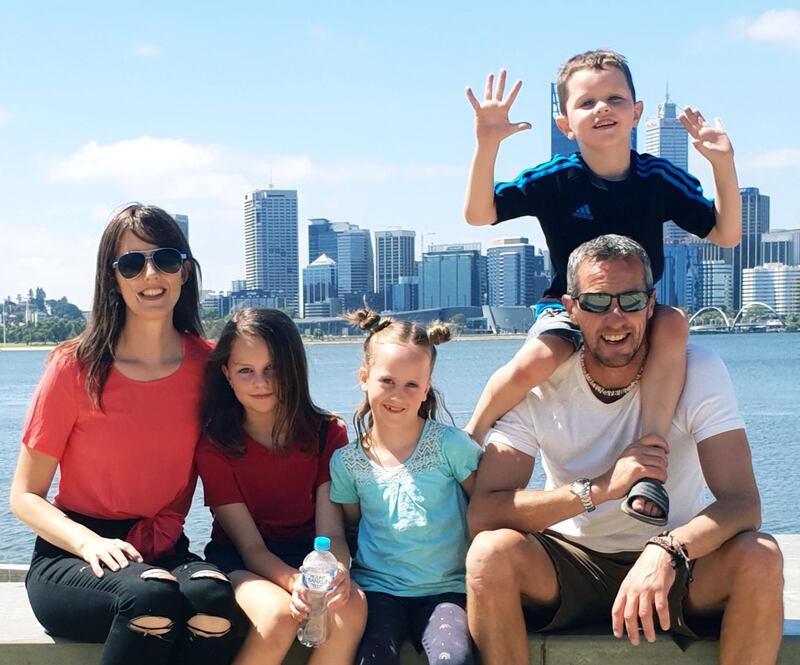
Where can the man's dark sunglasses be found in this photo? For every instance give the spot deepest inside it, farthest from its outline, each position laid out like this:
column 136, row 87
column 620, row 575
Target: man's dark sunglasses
column 165, row 259
column 629, row 301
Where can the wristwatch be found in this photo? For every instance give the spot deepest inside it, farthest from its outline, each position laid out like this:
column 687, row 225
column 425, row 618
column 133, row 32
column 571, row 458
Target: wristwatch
column 580, row 488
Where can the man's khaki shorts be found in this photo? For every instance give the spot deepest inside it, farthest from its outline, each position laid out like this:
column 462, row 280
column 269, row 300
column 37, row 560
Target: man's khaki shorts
column 588, row 584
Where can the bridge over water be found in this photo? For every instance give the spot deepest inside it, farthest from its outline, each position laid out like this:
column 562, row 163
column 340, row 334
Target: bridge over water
column 725, row 324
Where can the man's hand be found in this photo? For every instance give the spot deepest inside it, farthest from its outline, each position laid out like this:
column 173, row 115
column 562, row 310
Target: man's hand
column 710, row 141
column 644, row 458
column 491, row 116
column 646, row 585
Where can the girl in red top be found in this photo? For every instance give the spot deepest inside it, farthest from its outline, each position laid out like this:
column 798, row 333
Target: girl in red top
column 264, row 461
column 117, row 412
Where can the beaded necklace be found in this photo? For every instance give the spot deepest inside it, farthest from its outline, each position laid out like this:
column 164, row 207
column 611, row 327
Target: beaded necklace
column 610, row 392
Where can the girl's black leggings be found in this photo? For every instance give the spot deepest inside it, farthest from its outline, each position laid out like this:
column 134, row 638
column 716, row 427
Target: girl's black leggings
column 70, row 601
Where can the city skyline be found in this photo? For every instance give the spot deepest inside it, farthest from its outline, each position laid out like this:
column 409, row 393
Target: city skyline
column 361, row 110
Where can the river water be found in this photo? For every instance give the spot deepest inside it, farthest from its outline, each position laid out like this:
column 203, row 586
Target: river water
column 765, row 368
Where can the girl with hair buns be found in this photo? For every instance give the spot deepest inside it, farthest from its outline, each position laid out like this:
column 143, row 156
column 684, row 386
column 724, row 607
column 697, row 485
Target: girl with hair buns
column 405, row 481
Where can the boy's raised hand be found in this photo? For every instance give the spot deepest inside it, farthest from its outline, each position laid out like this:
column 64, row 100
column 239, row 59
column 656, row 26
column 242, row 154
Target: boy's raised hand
column 711, row 141
column 491, row 115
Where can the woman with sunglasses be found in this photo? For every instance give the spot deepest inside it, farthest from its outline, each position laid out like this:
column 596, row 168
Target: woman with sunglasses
column 116, row 411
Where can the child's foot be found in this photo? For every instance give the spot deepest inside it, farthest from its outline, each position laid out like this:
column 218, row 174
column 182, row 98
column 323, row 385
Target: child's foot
column 646, row 507
column 647, row 501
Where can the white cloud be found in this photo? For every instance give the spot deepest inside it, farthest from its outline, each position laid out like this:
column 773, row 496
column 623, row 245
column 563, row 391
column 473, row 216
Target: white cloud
column 320, row 32
column 5, row 116
column 775, row 26
column 777, row 159
column 174, row 168
column 148, row 50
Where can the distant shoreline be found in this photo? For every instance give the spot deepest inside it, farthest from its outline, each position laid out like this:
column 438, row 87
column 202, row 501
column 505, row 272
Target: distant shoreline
column 354, row 339
column 358, row 340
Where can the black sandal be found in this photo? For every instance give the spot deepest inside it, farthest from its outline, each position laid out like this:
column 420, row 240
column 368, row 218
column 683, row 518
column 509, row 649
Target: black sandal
column 649, row 490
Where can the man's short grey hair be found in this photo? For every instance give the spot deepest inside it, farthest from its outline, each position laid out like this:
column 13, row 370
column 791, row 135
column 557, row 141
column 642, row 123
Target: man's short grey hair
column 611, row 247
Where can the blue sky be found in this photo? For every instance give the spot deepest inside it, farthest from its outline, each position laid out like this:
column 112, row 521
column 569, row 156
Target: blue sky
column 359, row 106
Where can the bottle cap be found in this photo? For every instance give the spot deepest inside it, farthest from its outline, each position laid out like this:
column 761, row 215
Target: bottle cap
column 322, row 543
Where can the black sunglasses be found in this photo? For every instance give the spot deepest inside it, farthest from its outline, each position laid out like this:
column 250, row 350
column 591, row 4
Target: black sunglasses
column 629, row 301
column 165, row 259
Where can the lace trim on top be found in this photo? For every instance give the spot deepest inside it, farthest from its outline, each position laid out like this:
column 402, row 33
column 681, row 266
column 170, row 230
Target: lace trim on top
column 426, row 455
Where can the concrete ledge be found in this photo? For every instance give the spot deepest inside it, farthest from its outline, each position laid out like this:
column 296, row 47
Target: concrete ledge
column 23, row 642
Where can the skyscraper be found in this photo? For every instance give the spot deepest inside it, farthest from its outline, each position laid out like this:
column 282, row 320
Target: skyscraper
column 665, row 137
column 183, row 222
column 319, row 288
column 781, row 246
column 516, row 272
column 321, row 239
column 394, row 258
column 270, row 239
column 451, row 276
column 680, row 281
column 775, row 284
column 355, row 264
column 755, row 223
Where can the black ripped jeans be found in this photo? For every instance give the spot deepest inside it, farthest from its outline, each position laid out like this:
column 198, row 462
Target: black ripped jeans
column 70, row 601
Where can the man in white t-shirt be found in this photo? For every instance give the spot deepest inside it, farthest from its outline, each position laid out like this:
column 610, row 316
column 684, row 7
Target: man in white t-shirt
column 568, row 552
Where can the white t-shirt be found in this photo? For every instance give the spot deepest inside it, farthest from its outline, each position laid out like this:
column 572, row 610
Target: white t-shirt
column 578, row 436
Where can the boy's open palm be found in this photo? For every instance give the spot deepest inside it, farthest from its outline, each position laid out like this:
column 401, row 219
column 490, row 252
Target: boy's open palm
column 491, row 115
column 711, row 141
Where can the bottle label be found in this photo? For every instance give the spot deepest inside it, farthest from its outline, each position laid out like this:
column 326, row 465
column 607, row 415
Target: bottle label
column 316, row 581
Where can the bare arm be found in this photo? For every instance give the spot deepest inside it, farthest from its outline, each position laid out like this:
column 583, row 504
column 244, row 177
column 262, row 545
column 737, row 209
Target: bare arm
column 28, row 499
column 491, row 127
column 728, row 471
column 713, row 143
column 531, row 366
column 330, row 522
column 727, row 467
column 238, row 523
column 468, row 484
column 501, row 501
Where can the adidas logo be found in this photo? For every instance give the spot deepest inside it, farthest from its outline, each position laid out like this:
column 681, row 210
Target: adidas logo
column 583, row 212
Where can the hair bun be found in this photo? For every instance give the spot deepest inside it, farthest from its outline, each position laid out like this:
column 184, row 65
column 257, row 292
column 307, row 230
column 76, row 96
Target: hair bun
column 439, row 333
column 367, row 320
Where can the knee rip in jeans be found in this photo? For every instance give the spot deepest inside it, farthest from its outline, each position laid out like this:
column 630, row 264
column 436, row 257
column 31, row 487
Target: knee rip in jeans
column 158, row 574
column 205, row 625
column 149, row 625
column 211, row 574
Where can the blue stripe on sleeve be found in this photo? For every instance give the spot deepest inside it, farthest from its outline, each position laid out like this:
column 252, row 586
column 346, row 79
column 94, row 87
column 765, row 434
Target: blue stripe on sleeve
column 557, row 163
column 677, row 177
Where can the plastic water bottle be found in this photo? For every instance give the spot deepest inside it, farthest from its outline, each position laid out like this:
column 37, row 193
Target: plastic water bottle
column 319, row 569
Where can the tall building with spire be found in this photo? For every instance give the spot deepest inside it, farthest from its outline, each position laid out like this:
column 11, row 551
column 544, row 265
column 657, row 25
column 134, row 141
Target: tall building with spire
column 665, row 137
column 270, row 240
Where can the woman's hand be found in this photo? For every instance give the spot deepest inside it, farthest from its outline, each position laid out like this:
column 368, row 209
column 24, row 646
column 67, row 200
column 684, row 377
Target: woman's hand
column 112, row 553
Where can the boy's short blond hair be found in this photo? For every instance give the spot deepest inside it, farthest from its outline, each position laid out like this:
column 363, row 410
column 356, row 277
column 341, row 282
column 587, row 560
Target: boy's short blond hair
column 597, row 59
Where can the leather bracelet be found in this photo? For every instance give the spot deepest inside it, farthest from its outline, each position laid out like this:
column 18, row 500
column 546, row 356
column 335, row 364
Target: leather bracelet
column 676, row 550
